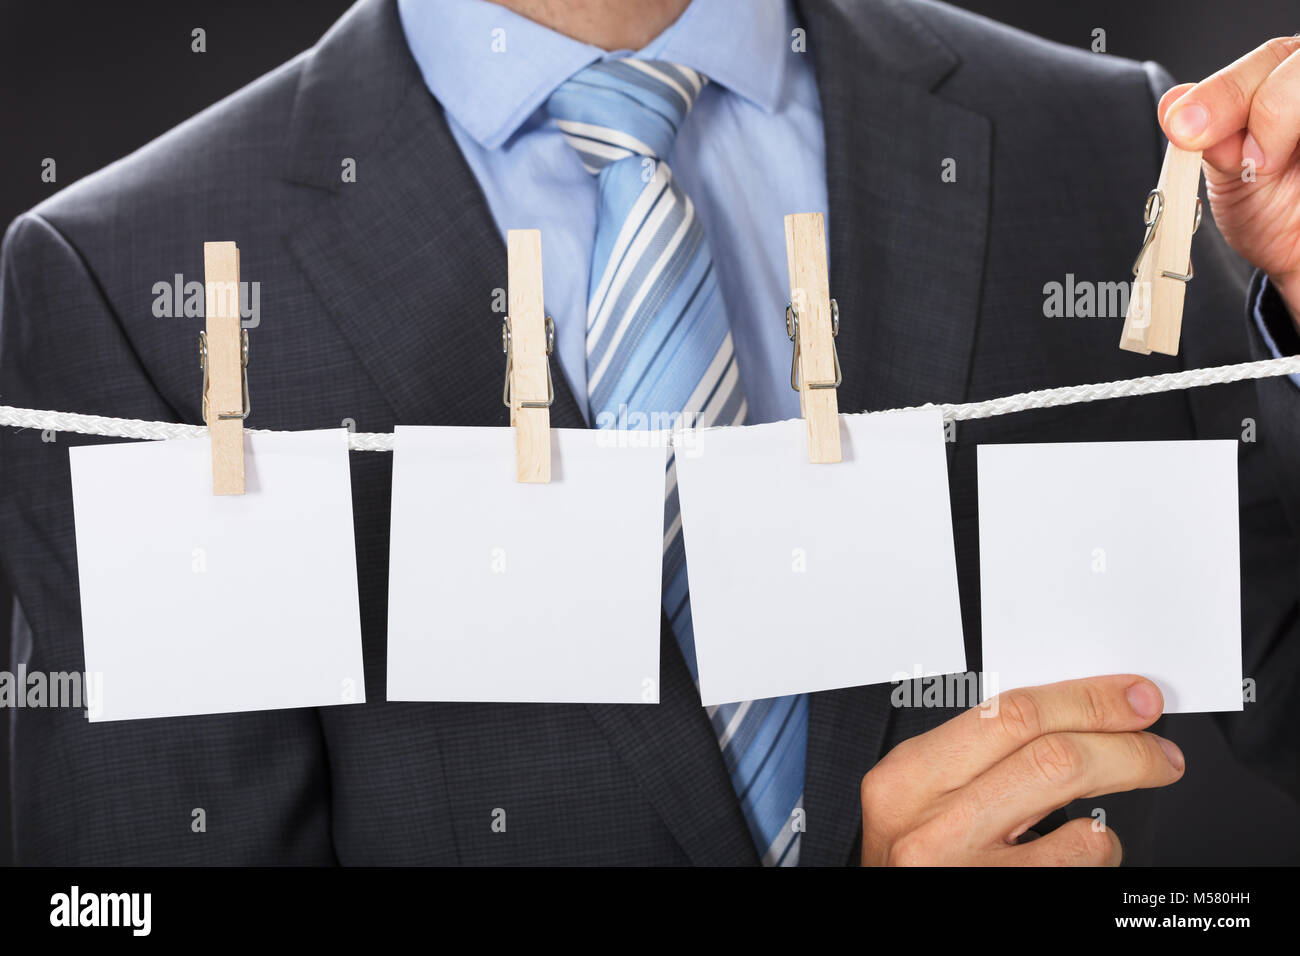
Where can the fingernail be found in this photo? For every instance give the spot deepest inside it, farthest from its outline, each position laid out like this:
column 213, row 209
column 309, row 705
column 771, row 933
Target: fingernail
column 1250, row 150
column 1144, row 699
column 1189, row 121
column 1172, row 752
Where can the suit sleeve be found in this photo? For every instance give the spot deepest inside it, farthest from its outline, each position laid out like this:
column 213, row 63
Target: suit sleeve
column 1267, row 734
column 228, row 789
column 1220, row 327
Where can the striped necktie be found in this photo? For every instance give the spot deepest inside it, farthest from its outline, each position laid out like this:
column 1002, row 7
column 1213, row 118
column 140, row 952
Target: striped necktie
column 658, row 344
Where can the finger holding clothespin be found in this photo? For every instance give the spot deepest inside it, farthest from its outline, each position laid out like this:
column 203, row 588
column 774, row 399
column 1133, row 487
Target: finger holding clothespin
column 528, row 338
column 223, row 355
column 1163, row 267
column 812, row 321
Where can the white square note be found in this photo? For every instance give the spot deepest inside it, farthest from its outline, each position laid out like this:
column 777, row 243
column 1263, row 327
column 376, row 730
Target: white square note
column 1113, row 557
column 193, row 603
column 502, row 591
column 808, row 577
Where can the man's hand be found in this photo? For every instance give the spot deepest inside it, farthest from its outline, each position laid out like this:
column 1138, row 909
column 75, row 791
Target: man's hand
column 964, row 793
column 1246, row 118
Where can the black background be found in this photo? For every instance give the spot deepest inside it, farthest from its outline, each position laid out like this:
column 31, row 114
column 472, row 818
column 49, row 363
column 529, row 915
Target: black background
column 85, row 83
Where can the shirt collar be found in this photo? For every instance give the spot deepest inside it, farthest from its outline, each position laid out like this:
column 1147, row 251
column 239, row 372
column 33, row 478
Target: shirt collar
column 491, row 68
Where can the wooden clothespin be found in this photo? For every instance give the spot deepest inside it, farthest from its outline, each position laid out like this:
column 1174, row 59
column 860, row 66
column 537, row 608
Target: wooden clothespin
column 1163, row 266
column 223, row 353
column 812, row 320
column 528, row 338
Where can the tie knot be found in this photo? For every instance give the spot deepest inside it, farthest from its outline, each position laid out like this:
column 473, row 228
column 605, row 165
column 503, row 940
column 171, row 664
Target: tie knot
column 613, row 109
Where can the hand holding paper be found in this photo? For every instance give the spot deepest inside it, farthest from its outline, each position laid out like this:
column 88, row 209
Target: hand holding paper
column 967, row 791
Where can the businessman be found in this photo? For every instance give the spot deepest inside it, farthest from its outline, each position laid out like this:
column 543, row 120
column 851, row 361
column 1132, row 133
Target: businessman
column 962, row 166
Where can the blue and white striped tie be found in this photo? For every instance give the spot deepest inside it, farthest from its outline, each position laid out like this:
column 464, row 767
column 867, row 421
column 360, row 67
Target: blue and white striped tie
column 658, row 343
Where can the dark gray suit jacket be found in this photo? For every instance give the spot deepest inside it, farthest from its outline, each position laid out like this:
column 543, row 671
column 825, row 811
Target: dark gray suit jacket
column 376, row 307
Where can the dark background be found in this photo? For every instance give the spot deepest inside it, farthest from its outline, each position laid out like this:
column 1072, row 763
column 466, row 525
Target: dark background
column 86, row 83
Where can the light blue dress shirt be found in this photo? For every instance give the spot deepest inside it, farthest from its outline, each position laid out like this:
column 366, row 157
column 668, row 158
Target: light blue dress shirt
column 751, row 150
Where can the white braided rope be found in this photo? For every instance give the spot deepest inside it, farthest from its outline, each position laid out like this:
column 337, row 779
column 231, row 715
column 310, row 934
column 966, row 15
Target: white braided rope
column 383, row 441
column 1125, row 388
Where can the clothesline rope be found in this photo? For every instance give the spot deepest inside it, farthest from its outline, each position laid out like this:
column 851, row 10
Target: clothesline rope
column 1043, row 398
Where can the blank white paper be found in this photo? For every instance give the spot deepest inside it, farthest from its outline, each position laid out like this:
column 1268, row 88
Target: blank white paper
column 193, row 603
column 809, row 577
column 1113, row 558
column 502, row 591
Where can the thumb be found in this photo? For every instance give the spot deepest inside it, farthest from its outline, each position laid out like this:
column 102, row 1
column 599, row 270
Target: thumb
column 1169, row 99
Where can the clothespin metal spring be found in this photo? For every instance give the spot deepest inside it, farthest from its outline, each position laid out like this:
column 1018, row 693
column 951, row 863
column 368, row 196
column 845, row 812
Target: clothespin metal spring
column 243, row 363
column 792, row 330
column 508, row 349
column 1151, row 217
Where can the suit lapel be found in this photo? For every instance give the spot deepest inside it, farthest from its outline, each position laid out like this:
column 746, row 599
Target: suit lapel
column 672, row 751
column 405, row 261
column 906, row 262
